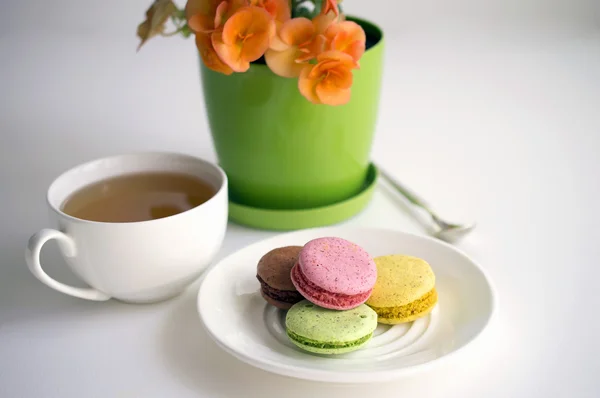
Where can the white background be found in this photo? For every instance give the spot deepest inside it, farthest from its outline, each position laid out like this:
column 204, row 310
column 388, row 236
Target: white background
column 489, row 109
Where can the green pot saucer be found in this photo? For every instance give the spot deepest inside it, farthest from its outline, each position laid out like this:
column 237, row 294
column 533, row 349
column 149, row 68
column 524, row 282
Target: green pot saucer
column 285, row 220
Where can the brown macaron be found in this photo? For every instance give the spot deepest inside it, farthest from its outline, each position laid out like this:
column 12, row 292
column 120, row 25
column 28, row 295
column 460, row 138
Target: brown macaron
column 273, row 273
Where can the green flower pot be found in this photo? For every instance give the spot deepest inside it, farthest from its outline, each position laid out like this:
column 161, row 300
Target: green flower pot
column 282, row 152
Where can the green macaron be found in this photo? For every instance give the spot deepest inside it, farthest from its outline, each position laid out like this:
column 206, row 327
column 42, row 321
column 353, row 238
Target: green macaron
column 324, row 331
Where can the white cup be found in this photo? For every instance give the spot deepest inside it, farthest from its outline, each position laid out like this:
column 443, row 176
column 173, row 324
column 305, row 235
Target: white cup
column 137, row 262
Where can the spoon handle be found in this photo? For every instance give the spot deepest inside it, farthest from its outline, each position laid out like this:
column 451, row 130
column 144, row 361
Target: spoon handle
column 407, row 193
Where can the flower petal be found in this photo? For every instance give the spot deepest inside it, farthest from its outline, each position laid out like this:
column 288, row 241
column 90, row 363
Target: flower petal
column 276, row 43
column 204, row 7
column 340, row 56
column 234, row 25
column 258, row 43
column 220, row 14
column 201, row 23
column 284, row 12
column 297, row 31
column 230, row 54
column 330, row 5
column 331, row 95
column 307, row 85
column 278, row 9
column 340, row 77
column 322, row 22
column 329, row 81
column 347, row 36
column 209, row 56
column 313, row 48
column 283, row 63
column 250, row 29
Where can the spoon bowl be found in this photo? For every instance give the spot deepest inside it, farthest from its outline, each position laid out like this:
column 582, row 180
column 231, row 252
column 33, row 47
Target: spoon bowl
column 454, row 232
column 442, row 230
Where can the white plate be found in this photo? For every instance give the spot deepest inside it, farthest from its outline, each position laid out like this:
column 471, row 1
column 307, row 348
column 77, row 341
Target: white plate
column 240, row 321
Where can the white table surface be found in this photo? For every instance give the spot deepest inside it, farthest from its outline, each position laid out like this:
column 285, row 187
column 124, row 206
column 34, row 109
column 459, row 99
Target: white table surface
column 492, row 112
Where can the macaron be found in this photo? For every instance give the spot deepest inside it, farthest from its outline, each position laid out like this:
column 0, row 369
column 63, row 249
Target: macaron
column 334, row 273
column 324, row 331
column 273, row 273
column 404, row 291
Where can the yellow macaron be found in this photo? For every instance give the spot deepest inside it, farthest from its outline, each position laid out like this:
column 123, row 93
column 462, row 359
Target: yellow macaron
column 404, row 291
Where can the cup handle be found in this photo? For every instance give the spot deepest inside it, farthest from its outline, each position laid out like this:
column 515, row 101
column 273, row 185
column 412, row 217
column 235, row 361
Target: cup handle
column 32, row 255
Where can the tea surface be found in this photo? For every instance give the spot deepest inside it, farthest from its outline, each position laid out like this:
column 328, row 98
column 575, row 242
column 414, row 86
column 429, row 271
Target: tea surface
column 138, row 197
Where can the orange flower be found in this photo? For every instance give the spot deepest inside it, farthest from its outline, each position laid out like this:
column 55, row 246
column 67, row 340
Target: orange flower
column 204, row 7
column 348, row 37
column 323, row 21
column 209, row 55
column 245, row 37
column 295, row 36
column 279, row 9
column 299, row 40
column 329, row 81
column 204, row 18
column 207, row 16
column 330, row 5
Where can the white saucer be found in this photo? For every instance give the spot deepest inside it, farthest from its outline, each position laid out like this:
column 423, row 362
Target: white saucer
column 243, row 324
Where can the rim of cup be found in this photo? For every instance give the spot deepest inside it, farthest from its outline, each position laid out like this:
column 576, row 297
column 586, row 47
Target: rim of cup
column 56, row 207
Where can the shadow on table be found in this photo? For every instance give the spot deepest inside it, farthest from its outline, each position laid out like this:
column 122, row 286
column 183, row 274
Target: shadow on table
column 198, row 363
column 24, row 299
column 407, row 208
column 194, row 359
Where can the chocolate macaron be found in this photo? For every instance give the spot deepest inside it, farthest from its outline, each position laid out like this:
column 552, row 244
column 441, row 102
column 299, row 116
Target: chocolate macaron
column 273, row 273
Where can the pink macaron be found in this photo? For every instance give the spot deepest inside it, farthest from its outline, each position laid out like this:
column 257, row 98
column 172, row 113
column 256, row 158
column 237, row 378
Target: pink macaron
column 334, row 273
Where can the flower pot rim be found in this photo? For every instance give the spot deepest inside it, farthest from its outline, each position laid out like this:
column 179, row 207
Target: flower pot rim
column 373, row 29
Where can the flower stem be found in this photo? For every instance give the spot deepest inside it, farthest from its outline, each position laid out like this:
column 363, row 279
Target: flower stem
column 173, row 33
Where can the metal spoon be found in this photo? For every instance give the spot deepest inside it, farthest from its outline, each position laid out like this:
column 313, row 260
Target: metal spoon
column 444, row 230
